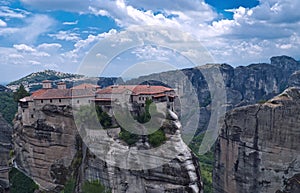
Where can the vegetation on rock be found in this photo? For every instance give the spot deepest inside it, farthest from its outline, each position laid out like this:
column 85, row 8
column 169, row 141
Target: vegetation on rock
column 8, row 106
column 20, row 183
column 94, row 187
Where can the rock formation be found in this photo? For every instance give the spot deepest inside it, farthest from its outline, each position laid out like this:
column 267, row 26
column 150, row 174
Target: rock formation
column 258, row 147
column 51, row 152
column 5, row 147
column 244, row 85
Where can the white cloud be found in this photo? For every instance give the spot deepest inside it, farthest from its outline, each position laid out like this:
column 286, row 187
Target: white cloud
column 66, row 35
column 23, row 47
column 8, row 12
column 2, row 23
column 70, row 22
column 46, row 46
column 33, row 27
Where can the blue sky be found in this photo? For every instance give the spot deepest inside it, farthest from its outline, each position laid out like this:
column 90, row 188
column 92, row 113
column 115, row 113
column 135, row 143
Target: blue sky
column 57, row 34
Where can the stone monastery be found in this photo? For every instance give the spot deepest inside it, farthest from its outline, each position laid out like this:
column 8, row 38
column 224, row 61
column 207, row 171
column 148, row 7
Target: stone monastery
column 135, row 96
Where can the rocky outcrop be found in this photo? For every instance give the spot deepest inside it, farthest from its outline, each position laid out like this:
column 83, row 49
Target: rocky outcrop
column 171, row 168
column 258, row 147
column 47, row 150
column 5, row 148
column 51, row 152
column 243, row 85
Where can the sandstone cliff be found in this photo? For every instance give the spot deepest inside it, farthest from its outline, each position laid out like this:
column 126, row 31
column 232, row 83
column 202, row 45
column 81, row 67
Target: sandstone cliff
column 5, row 147
column 51, row 152
column 258, row 147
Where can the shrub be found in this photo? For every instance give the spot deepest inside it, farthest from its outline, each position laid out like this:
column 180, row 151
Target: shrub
column 129, row 138
column 157, row 138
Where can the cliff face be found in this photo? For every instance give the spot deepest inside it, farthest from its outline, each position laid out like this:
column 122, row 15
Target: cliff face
column 5, row 147
column 45, row 150
column 51, row 152
column 244, row 85
column 258, row 147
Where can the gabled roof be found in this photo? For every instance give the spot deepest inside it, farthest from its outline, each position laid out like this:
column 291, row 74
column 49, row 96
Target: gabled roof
column 86, row 86
column 58, row 94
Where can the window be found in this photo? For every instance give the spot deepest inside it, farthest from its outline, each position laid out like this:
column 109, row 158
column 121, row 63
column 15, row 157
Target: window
column 42, row 101
column 33, row 109
column 78, row 101
column 59, row 100
column 50, row 100
column 140, row 98
column 32, row 116
column 23, row 110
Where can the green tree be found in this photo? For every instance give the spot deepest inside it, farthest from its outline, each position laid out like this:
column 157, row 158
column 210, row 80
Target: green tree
column 20, row 93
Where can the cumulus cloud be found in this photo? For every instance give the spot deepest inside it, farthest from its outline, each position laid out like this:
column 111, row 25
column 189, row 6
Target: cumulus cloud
column 23, row 47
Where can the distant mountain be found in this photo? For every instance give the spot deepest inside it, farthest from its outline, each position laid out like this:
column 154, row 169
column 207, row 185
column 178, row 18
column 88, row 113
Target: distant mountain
column 33, row 80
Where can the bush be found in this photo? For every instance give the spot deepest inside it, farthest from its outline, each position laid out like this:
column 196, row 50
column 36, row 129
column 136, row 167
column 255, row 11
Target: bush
column 20, row 183
column 157, row 138
column 129, row 138
column 94, row 187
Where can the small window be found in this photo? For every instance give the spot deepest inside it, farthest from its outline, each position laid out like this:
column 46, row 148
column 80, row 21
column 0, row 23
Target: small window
column 50, row 100
column 142, row 105
column 78, row 101
column 33, row 109
column 23, row 110
column 59, row 100
column 140, row 98
column 32, row 116
column 42, row 101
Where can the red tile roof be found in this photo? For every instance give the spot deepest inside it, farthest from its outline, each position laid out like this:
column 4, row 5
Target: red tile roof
column 47, row 81
column 135, row 89
column 86, row 86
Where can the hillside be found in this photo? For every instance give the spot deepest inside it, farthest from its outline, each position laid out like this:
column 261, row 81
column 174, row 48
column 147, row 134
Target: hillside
column 33, row 81
column 38, row 77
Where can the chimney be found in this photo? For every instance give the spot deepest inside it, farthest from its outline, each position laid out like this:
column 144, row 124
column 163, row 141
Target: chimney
column 61, row 85
column 47, row 84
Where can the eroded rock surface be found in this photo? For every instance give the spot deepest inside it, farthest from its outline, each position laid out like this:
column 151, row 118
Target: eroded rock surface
column 258, row 147
column 51, row 152
column 5, row 147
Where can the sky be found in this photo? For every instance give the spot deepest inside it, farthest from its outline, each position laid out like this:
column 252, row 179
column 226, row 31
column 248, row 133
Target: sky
column 57, row 34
